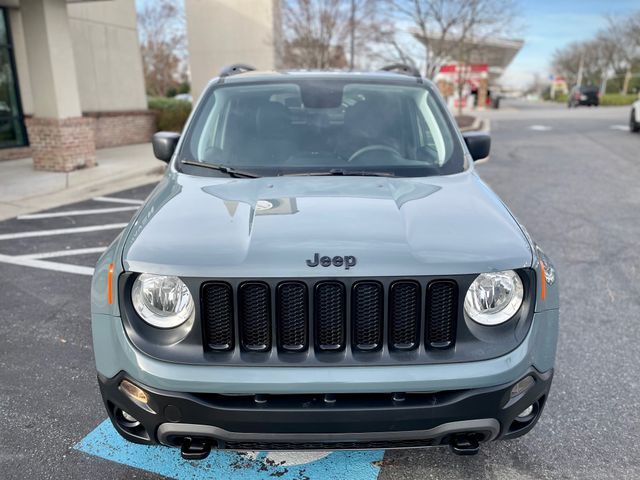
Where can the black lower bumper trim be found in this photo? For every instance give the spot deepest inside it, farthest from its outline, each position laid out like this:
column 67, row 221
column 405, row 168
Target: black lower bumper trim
column 309, row 422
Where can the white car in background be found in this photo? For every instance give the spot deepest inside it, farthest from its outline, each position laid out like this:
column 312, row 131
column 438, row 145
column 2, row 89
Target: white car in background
column 634, row 118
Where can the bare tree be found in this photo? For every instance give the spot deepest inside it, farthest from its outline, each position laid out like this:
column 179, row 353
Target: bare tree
column 161, row 28
column 321, row 33
column 625, row 35
column 450, row 30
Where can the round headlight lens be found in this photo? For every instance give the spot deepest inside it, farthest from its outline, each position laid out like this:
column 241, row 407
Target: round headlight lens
column 162, row 301
column 493, row 298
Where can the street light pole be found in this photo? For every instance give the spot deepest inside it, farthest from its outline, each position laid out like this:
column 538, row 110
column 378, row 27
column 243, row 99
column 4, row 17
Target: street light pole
column 352, row 34
column 580, row 68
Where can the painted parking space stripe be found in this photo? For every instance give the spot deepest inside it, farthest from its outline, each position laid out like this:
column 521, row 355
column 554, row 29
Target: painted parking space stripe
column 73, row 213
column 64, row 253
column 61, row 231
column 624, row 128
column 118, row 200
column 46, row 265
column 105, row 442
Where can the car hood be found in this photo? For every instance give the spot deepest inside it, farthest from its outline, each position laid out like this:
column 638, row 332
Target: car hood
column 269, row 227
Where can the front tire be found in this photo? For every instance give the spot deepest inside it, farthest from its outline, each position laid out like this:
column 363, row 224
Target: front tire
column 633, row 125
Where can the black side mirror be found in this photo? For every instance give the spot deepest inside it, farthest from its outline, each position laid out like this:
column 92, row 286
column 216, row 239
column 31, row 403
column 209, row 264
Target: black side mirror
column 478, row 143
column 164, row 144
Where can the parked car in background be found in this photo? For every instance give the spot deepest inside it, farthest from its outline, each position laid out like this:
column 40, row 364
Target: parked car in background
column 634, row 118
column 588, row 95
column 185, row 97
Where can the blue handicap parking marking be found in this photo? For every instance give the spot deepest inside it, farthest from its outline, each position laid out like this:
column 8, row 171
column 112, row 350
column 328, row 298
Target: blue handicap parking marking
column 105, row 442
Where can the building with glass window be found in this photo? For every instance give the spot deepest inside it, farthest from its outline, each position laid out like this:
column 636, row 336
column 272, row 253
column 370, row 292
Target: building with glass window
column 71, row 81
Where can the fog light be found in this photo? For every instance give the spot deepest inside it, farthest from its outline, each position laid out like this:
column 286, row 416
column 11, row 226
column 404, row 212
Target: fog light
column 522, row 386
column 126, row 419
column 526, row 412
column 136, row 394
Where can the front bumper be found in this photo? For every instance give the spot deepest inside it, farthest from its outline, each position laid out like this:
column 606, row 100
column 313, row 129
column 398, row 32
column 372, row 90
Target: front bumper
column 320, row 421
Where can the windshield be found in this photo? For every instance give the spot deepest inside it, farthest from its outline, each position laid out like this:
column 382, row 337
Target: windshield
column 323, row 126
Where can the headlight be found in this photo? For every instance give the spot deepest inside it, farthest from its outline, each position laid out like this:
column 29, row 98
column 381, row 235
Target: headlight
column 161, row 301
column 493, row 298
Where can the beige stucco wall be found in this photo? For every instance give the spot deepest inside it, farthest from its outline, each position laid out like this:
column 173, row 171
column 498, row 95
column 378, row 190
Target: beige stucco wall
column 222, row 32
column 106, row 53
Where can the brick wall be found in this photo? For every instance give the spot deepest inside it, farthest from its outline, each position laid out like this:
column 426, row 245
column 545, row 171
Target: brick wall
column 14, row 153
column 112, row 129
column 62, row 145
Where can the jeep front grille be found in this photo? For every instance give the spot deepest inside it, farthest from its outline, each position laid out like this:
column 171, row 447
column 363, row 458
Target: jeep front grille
column 292, row 316
column 442, row 298
column 254, row 314
column 404, row 312
column 329, row 316
column 217, row 315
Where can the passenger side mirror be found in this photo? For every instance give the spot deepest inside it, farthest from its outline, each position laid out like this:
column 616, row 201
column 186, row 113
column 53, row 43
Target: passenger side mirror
column 164, row 144
column 478, row 143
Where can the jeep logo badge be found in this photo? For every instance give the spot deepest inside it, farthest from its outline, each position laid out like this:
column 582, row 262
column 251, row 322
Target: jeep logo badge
column 348, row 261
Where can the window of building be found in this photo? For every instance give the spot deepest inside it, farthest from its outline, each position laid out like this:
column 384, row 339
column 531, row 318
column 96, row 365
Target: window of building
column 12, row 131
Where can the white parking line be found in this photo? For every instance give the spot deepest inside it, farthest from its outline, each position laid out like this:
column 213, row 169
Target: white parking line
column 118, row 200
column 540, row 128
column 70, row 213
column 624, row 128
column 62, row 231
column 64, row 253
column 58, row 267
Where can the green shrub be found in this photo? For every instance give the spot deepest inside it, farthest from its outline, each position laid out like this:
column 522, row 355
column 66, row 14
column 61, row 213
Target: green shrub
column 171, row 114
column 560, row 98
column 617, row 99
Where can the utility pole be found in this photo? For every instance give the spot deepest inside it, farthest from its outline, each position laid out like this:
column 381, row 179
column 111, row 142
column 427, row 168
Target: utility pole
column 352, row 34
column 580, row 68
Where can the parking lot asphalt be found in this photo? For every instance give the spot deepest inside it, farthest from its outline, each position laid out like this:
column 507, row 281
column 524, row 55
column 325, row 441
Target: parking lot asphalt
column 575, row 184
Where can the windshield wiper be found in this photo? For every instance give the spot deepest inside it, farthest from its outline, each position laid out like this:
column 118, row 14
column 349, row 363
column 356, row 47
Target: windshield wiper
column 221, row 168
column 342, row 172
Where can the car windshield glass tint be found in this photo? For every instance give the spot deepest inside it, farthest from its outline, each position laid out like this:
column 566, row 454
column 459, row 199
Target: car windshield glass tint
column 324, row 126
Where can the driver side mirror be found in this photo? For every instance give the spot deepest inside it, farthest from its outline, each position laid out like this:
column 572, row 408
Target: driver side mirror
column 478, row 143
column 164, row 144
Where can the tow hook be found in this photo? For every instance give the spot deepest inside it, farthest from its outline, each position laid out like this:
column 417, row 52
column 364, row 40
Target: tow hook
column 465, row 444
column 195, row 448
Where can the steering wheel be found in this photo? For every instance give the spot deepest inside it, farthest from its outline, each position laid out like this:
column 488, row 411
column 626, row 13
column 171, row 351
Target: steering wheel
column 370, row 148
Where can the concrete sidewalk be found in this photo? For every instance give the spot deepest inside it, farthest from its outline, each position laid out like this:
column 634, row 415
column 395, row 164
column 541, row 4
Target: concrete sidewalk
column 24, row 190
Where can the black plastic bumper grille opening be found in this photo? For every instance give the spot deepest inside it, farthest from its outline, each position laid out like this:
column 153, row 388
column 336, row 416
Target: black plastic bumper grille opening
column 346, row 445
column 254, row 316
column 292, row 316
column 442, row 308
column 217, row 315
column 330, row 315
column 367, row 315
column 404, row 315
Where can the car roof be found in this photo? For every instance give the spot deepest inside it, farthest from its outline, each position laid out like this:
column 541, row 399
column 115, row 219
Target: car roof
column 275, row 76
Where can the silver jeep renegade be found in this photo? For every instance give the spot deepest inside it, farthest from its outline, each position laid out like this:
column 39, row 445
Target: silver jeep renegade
column 322, row 268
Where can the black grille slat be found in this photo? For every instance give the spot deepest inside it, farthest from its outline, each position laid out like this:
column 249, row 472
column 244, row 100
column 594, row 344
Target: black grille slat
column 254, row 316
column 217, row 315
column 404, row 315
column 330, row 315
column 367, row 315
column 293, row 316
column 442, row 307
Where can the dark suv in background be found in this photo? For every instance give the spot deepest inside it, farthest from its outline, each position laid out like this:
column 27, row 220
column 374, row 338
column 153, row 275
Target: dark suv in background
column 589, row 96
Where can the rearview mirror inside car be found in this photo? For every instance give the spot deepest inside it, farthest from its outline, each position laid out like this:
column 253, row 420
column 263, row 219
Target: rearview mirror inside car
column 478, row 143
column 164, row 144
